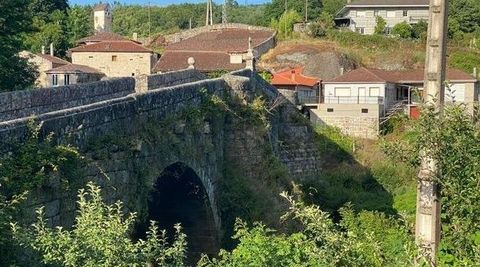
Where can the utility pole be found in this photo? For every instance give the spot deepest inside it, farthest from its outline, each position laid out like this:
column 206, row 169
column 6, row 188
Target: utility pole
column 224, row 12
column 427, row 227
column 209, row 18
column 149, row 22
column 306, row 11
column 286, row 8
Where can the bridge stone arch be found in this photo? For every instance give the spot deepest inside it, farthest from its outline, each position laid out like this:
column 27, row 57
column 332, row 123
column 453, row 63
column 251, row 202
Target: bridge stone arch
column 179, row 195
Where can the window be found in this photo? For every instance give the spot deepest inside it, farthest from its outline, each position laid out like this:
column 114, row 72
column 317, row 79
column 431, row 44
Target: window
column 360, row 30
column 90, row 56
column 361, row 13
column 133, row 74
column 66, row 79
column 329, row 109
column 54, row 79
column 375, row 13
column 114, row 58
column 388, row 30
column 405, row 13
column 364, row 110
column 390, row 14
column 343, row 91
column 374, row 91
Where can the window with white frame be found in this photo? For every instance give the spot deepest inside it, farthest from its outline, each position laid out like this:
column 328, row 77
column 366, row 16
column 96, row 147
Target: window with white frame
column 391, row 14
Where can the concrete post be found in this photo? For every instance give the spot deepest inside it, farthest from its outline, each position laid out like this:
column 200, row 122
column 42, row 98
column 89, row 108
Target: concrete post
column 428, row 191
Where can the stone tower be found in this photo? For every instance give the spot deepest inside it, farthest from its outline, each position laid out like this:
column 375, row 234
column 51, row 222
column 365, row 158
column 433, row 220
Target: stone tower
column 102, row 18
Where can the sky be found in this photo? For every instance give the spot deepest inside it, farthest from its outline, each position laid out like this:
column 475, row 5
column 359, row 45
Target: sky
column 162, row 2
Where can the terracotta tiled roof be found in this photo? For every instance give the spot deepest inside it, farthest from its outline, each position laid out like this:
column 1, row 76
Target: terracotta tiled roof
column 364, row 75
column 100, row 7
column 112, row 46
column 224, row 40
column 294, row 77
column 204, row 61
column 389, row 3
column 103, row 36
column 74, row 68
column 53, row 59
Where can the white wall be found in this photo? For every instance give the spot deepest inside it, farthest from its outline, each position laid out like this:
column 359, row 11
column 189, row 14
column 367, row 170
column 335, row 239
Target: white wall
column 362, row 92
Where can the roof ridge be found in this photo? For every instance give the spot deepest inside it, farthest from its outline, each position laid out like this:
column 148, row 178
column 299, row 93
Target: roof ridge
column 374, row 74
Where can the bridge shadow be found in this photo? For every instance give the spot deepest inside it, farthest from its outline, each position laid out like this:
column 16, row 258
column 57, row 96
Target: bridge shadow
column 344, row 179
column 180, row 197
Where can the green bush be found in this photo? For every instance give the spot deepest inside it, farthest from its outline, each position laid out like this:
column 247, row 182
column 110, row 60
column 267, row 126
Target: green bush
column 100, row 237
column 404, row 30
column 464, row 60
column 380, row 25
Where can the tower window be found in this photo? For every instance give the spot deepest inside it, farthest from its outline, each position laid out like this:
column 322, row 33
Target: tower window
column 114, row 58
column 54, row 79
column 66, row 79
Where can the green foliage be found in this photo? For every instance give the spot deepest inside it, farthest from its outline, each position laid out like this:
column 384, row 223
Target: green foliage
column 367, row 42
column 15, row 20
column 100, row 237
column 380, row 26
column 332, row 142
column 403, row 29
column 34, row 161
column 464, row 60
column 332, row 7
column 419, row 30
column 453, row 140
column 366, row 239
column 276, row 8
column 79, row 23
column 284, row 25
column 319, row 28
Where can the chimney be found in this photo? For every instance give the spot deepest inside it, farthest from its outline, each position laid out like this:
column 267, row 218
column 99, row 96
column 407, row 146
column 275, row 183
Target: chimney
column 51, row 50
column 135, row 36
column 43, row 50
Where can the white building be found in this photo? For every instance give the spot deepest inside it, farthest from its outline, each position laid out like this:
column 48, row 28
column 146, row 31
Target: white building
column 360, row 15
column 359, row 101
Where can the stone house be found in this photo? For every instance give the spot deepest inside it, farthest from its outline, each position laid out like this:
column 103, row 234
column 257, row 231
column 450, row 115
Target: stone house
column 72, row 74
column 215, row 47
column 360, row 15
column 43, row 62
column 306, row 88
column 359, row 101
column 115, row 58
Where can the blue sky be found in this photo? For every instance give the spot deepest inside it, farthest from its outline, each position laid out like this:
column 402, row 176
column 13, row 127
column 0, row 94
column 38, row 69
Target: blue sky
column 162, row 2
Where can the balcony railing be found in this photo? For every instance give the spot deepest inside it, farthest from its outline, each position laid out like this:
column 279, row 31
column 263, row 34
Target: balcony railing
column 308, row 99
column 353, row 100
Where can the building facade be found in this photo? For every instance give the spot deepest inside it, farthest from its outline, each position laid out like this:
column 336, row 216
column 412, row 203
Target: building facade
column 361, row 100
column 72, row 74
column 360, row 15
column 43, row 63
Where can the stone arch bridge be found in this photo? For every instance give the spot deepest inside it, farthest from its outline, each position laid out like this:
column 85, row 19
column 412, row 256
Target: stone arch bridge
column 135, row 131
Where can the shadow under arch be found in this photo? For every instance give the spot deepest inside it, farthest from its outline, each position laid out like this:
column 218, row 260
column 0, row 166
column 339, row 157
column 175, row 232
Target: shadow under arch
column 179, row 196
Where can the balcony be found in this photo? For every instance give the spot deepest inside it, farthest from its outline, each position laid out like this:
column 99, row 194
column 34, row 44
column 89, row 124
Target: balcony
column 353, row 100
column 308, row 99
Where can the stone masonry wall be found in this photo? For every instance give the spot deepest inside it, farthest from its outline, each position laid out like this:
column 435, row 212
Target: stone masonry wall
column 144, row 83
column 19, row 104
column 132, row 163
column 360, row 127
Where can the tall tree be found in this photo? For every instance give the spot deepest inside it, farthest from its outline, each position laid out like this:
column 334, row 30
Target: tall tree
column 15, row 20
column 79, row 23
column 277, row 7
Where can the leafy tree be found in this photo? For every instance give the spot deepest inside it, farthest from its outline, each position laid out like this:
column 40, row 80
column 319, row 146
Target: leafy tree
column 284, row 25
column 419, row 30
column 43, row 8
column 79, row 23
column 332, row 7
column 320, row 27
column 366, row 239
column 381, row 24
column 100, row 237
column 404, row 30
column 466, row 13
column 276, row 8
column 15, row 72
column 454, row 141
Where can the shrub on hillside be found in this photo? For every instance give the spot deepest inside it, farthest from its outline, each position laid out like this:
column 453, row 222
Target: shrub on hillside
column 404, row 30
column 380, row 26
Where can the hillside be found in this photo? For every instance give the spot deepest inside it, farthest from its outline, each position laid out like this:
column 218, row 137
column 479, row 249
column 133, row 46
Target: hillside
column 323, row 57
